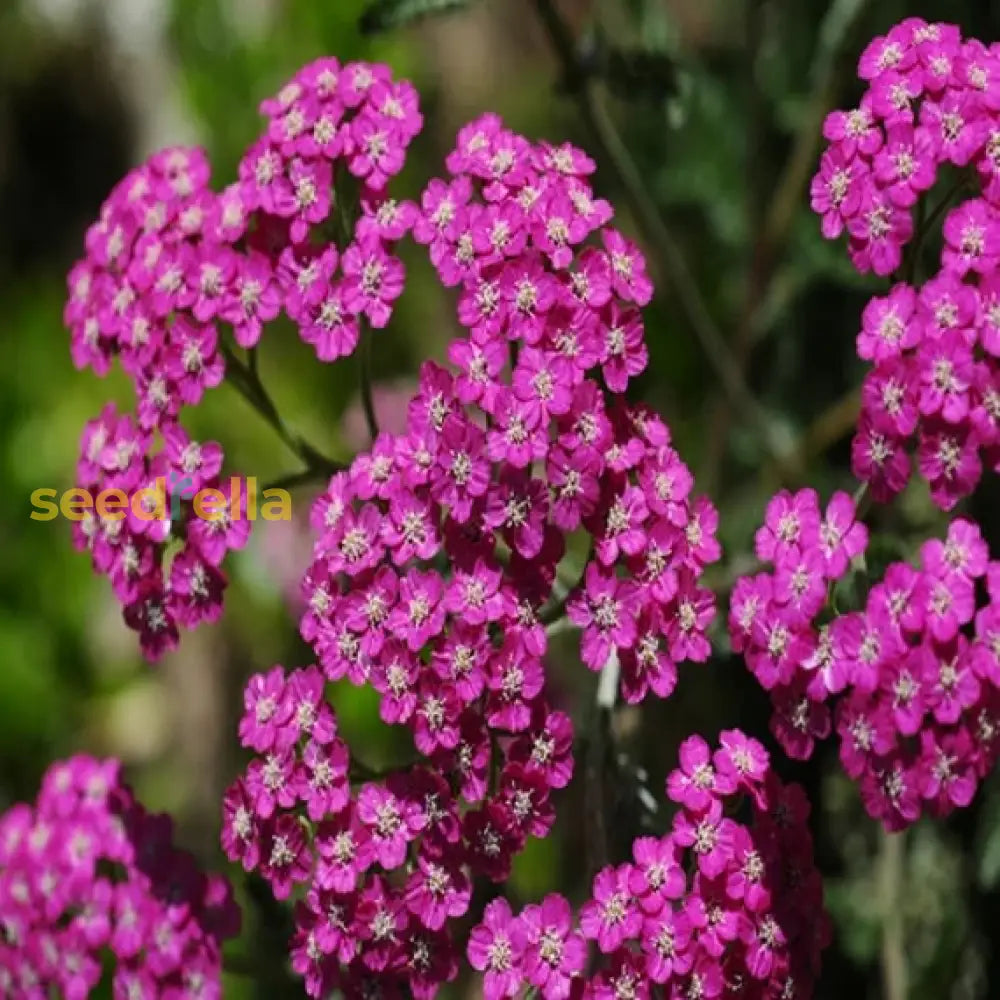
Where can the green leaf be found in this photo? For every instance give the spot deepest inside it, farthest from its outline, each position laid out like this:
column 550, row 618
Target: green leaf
column 384, row 15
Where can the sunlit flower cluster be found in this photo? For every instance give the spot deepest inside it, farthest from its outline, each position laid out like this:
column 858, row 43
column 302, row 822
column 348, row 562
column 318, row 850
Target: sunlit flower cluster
column 727, row 904
column 910, row 682
column 89, row 880
column 932, row 104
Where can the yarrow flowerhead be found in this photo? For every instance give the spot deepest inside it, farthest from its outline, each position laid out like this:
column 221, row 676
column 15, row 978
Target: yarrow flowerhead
column 435, row 566
column 911, row 681
column 89, row 881
column 177, row 277
column 932, row 392
column 717, row 906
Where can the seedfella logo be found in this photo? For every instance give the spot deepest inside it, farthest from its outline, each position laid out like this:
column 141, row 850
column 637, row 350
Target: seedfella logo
column 162, row 500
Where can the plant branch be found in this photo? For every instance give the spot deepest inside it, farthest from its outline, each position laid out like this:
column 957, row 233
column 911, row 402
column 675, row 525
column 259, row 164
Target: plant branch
column 669, row 259
column 594, row 756
column 245, row 379
column 927, row 224
column 894, row 972
column 367, row 402
column 776, row 222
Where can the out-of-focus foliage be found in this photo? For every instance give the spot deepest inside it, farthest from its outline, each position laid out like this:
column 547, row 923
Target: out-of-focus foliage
column 719, row 102
column 384, row 15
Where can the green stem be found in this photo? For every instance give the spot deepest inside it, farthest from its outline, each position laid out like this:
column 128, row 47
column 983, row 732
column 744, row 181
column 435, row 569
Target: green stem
column 861, row 501
column 246, row 380
column 367, row 401
column 892, row 858
column 927, row 224
column 556, row 613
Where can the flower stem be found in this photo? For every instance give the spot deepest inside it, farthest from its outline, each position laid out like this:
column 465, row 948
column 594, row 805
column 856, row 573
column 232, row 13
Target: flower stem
column 927, row 224
column 894, row 971
column 367, row 401
column 246, row 380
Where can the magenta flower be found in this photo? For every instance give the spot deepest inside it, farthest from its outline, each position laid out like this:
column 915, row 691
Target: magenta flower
column 554, row 954
column 611, row 916
column 462, row 474
column 906, row 164
column 437, row 891
column 695, row 784
column 373, row 281
column 656, row 877
column 842, row 538
column 331, row 327
column 496, row 948
column 972, row 238
column 836, row 191
column 604, row 609
column 957, row 126
column 888, row 325
column 710, row 837
column 880, row 459
column 391, row 822
column 322, row 779
column 628, row 269
column 666, row 940
column 268, row 710
column 948, row 458
column 878, row 232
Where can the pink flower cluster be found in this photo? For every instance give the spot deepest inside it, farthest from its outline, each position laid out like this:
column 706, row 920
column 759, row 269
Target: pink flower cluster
column 153, row 284
column 549, row 289
column 385, row 866
column 933, row 386
column 171, row 266
column 436, row 563
column 933, row 100
column 328, row 124
column 915, row 697
column 718, row 907
column 87, row 874
column 151, row 291
column 160, row 587
column 170, row 260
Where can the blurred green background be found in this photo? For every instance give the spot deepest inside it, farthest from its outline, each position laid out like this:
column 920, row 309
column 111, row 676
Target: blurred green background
column 719, row 104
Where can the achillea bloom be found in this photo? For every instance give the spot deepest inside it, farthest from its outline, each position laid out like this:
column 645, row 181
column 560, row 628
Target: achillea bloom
column 931, row 390
column 739, row 921
column 92, row 880
column 908, row 682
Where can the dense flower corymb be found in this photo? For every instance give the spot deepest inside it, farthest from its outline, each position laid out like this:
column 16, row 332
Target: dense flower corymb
column 912, row 678
column 716, row 907
column 178, row 278
column 88, row 878
column 435, row 566
column 933, row 390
